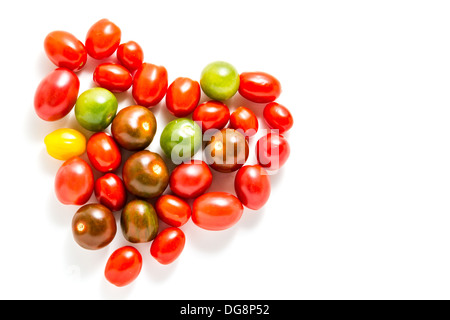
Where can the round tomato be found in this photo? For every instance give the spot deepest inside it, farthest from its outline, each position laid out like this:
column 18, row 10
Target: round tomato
column 139, row 221
column 278, row 117
column 65, row 50
column 94, row 226
column 252, row 186
column 168, row 245
column 130, row 55
column 219, row 80
column 245, row 120
column 56, row 94
column 216, row 211
column 102, row 39
column 211, row 115
column 173, row 210
column 182, row 97
column 103, row 152
column 110, row 191
column 134, row 127
column 74, row 182
column 65, row 143
column 272, row 151
column 149, row 84
column 190, row 179
column 113, row 76
column 259, row 87
column 123, row 266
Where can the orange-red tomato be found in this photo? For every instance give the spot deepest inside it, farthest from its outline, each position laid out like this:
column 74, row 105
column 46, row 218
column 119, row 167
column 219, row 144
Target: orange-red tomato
column 130, row 55
column 272, row 151
column 252, row 186
column 149, row 84
column 259, row 87
column 123, row 266
column 113, row 76
column 102, row 39
column 190, row 179
column 278, row 117
column 173, row 210
column 168, row 245
column 211, row 115
column 65, row 50
column 103, row 152
column 110, row 191
column 182, row 96
column 245, row 120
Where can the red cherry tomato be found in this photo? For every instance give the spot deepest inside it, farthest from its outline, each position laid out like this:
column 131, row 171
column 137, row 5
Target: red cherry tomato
column 211, row 115
column 252, row 186
column 173, row 210
column 123, row 266
column 168, row 245
column 74, row 182
column 56, row 94
column 65, row 50
column 113, row 77
column 110, row 191
column 182, row 96
column 103, row 152
column 278, row 117
column 130, row 55
column 149, row 84
column 244, row 119
column 259, row 87
column 190, row 179
column 272, row 151
column 216, row 211
column 102, row 39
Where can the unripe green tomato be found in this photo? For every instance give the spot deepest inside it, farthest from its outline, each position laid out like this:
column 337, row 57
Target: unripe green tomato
column 219, row 80
column 95, row 109
column 181, row 139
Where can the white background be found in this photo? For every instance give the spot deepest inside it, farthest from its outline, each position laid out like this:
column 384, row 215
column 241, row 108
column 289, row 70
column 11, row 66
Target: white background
column 360, row 210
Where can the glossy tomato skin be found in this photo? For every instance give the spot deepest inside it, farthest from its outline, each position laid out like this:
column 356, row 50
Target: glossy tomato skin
column 182, row 96
column 168, row 245
column 219, row 80
column 259, row 87
column 113, row 76
column 102, row 39
column 190, row 179
column 93, row 226
column 245, row 120
column 216, row 211
column 110, row 191
column 65, row 143
column 211, row 115
column 103, row 152
column 74, row 182
column 130, row 55
column 173, row 210
column 139, row 221
column 252, row 186
column 149, row 84
column 56, row 94
column 145, row 174
column 123, row 266
column 272, row 151
column 278, row 117
column 134, row 127
column 65, row 50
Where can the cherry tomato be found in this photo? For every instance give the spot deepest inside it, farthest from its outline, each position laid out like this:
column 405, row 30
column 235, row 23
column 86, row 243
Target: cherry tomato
column 216, row 211
column 272, row 151
column 168, row 245
column 130, row 55
column 103, row 152
column 56, row 94
column 74, row 182
column 211, row 115
column 245, row 120
column 65, row 50
column 110, row 191
column 139, row 221
column 149, row 84
column 182, row 97
column 278, row 117
column 173, row 210
column 113, row 76
column 123, row 266
column 65, row 143
column 94, row 226
column 259, row 87
column 102, row 39
column 219, row 80
column 190, row 179
column 252, row 186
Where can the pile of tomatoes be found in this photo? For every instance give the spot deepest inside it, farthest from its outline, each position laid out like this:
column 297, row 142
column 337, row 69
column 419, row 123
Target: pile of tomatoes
column 144, row 174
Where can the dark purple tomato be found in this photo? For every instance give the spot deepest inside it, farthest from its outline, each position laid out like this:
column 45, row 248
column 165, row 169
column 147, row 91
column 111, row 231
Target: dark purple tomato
column 139, row 221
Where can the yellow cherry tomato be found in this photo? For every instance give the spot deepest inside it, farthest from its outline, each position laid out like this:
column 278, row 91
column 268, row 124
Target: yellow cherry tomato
column 63, row 144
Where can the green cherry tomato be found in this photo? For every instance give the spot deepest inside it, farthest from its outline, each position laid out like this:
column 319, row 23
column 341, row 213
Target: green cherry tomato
column 219, row 80
column 95, row 109
column 181, row 139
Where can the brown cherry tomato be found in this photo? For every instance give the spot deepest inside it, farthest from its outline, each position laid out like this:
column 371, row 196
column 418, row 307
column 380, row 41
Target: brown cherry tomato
column 110, row 191
column 182, row 97
column 139, row 221
column 168, row 245
column 245, row 120
column 211, row 115
column 103, row 152
column 190, row 179
column 65, row 50
column 113, row 76
column 173, row 210
column 149, row 84
column 259, row 87
column 130, row 55
column 252, row 186
column 102, row 39
column 123, row 266
column 278, row 117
